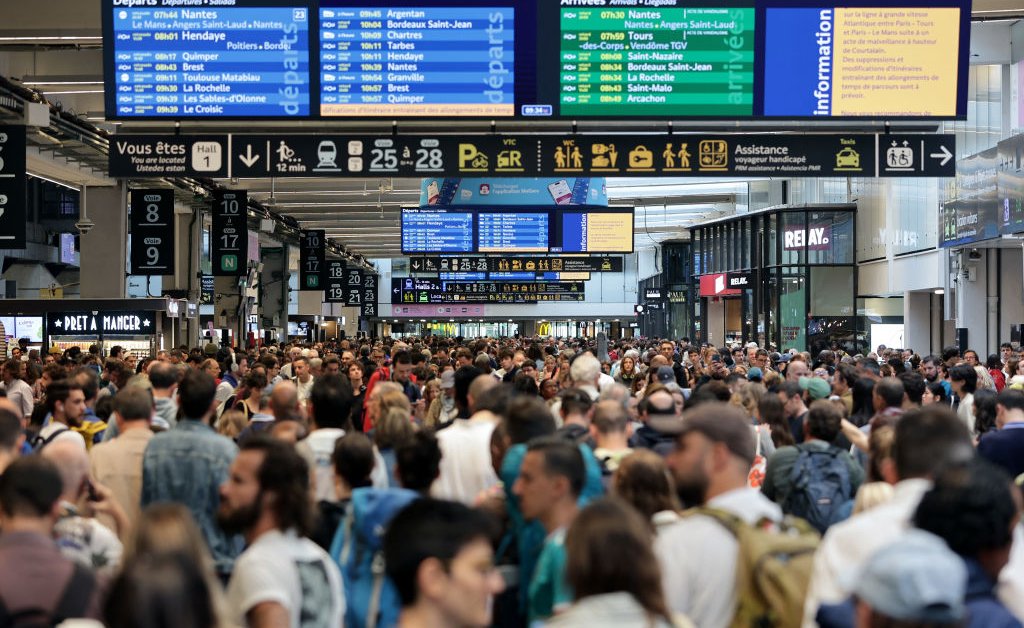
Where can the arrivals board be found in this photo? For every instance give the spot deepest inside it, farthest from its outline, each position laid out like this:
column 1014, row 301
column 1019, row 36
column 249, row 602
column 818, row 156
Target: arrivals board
column 492, row 264
column 517, row 230
column 527, row 59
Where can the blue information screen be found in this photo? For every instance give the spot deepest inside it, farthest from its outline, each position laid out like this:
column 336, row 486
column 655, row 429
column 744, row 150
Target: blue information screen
column 508, row 232
column 183, row 62
column 417, row 61
column 436, row 231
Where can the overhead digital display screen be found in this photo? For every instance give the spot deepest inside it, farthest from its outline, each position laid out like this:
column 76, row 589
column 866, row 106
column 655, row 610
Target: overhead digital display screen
column 516, row 230
column 240, row 61
column 507, row 232
column 418, row 62
column 529, row 59
column 675, row 62
column 436, row 231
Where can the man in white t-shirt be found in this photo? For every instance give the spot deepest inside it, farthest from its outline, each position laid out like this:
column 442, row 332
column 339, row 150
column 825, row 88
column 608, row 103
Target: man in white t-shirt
column 303, row 378
column 330, row 404
column 466, row 470
column 282, row 578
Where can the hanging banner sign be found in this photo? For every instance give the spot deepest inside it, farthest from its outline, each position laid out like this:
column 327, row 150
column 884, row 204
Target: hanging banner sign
column 354, row 286
column 152, row 236
column 494, row 264
column 312, row 255
column 334, row 290
column 561, row 158
column 13, row 212
column 229, row 238
column 168, row 156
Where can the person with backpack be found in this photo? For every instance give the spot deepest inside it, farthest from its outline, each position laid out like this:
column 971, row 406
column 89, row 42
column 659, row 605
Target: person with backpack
column 65, row 403
column 401, row 374
column 282, row 578
column 815, row 480
column 38, row 585
column 732, row 534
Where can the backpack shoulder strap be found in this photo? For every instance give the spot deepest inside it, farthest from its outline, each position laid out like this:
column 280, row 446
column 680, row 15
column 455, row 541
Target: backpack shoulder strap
column 75, row 600
column 729, row 521
column 39, row 442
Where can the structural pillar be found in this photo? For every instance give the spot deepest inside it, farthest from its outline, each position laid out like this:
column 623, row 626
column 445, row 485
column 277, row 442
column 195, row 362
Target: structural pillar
column 104, row 247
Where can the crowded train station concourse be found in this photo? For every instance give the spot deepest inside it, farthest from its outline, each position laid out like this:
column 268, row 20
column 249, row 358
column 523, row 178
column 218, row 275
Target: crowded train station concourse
column 511, row 313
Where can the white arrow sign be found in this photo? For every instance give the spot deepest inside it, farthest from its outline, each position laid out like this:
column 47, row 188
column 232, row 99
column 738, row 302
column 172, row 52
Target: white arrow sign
column 945, row 155
column 248, row 158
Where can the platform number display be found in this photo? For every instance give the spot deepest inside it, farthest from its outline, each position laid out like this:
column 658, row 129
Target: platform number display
column 334, row 290
column 229, row 239
column 368, row 308
column 353, row 287
column 12, row 188
column 312, row 255
column 152, row 232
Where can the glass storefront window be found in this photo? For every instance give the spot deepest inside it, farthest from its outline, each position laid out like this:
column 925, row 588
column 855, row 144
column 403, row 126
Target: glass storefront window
column 830, row 238
column 793, row 312
column 794, row 237
column 832, row 291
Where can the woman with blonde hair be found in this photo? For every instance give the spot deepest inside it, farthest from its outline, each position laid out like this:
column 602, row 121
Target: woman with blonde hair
column 611, row 569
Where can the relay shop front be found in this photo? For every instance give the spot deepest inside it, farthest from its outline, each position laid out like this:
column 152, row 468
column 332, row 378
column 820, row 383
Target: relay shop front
column 784, row 276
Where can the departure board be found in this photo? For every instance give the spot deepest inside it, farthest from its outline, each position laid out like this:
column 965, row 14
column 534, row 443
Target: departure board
column 434, row 231
column 508, row 232
column 430, row 61
column 211, row 62
column 657, row 62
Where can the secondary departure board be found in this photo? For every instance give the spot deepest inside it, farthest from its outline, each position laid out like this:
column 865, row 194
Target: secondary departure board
column 681, row 62
column 506, row 232
column 211, row 61
column 436, row 231
column 432, row 61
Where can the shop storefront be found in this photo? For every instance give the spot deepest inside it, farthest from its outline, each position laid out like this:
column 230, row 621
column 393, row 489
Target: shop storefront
column 784, row 276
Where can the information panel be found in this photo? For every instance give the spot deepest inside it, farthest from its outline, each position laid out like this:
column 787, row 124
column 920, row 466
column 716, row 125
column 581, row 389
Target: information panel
column 433, row 291
column 229, row 235
column 312, row 255
column 152, row 236
column 513, row 232
column 417, row 62
column 210, row 61
column 334, row 291
column 492, row 264
column 436, row 231
column 13, row 214
column 678, row 62
column 601, row 232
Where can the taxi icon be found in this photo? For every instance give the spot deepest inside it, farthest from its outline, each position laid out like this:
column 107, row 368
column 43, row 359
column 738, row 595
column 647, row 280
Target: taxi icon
column 847, row 158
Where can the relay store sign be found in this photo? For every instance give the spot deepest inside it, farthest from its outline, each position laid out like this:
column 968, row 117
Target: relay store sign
column 717, row 285
column 740, row 281
column 101, row 324
column 814, row 238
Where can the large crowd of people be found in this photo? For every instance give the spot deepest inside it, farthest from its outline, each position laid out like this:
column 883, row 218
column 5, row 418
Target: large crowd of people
column 434, row 482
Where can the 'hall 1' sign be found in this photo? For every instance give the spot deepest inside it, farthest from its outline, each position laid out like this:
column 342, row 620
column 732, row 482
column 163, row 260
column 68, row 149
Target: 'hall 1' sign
column 101, row 324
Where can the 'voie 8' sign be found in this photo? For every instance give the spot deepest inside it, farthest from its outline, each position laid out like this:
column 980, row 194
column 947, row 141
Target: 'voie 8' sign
column 152, row 237
column 101, row 324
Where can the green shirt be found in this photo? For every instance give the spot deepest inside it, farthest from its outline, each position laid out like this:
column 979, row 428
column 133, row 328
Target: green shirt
column 548, row 589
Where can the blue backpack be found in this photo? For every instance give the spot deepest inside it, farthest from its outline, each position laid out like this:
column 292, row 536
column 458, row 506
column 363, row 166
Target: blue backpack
column 820, row 490
column 370, row 598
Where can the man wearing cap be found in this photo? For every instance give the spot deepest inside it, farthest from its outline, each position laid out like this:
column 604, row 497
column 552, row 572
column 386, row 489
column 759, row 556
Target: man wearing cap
column 698, row 555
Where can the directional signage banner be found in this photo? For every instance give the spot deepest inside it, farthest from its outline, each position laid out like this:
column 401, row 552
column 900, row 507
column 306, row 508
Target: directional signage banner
column 335, row 290
column 585, row 264
column 13, row 214
column 168, row 156
column 152, row 236
column 229, row 237
column 411, row 290
column 353, row 286
column 101, row 323
column 312, row 255
column 567, row 156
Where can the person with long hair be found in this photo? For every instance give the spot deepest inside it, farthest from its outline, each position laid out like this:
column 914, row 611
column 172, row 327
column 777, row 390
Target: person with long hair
column 627, row 371
column 770, row 412
column 612, row 571
column 863, row 408
column 984, row 411
column 644, row 481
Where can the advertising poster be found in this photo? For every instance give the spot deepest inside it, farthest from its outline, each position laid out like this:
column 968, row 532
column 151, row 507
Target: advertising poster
column 498, row 191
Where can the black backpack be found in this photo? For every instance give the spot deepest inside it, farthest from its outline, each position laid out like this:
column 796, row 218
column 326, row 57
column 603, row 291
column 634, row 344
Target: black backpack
column 73, row 603
column 820, row 490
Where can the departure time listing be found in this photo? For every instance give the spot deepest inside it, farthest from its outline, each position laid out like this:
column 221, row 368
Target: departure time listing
column 220, row 61
column 662, row 61
column 432, row 61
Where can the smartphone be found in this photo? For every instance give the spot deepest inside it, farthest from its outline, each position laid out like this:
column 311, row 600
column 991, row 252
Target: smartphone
column 560, row 192
column 90, row 489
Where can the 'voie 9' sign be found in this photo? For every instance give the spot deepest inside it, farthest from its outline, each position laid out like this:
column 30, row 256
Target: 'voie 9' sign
column 101, row 323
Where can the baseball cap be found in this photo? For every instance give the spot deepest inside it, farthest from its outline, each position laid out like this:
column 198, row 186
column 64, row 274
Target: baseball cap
column 755, row 374
column 818, row 387
column 448, row 379
column 782, row 358
column 210, row 349
column 665, row 374
column 916, row 578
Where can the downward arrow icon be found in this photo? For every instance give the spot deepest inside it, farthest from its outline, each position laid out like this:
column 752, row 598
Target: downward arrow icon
column 248, row 158
column 945, row 155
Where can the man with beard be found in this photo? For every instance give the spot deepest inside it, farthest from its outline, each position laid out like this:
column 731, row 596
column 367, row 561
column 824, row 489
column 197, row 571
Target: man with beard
column 698, row 555
column 282, row 578
column 65, row 402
